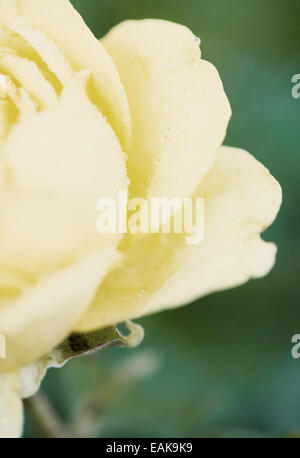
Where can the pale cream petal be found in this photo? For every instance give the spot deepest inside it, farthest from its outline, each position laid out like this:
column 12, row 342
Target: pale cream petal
column 8, row 9
column 161, row 271
column 69, row 148
column 14, row 44
column 25, row 104
column 73, row 158
column 44, row 315
column 11, row 410
column 61, row 23
column 41, row 231
column 8, row 105
column 179, row 109
column 12, row 283
column 2, row 166
column 8, row 115
column 30, row 78
column 48, row 51
column 31, row 377
column 15, row 104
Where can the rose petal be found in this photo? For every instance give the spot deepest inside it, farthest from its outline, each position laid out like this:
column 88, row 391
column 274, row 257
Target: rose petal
column 61, row 23
column 48, row 51
column 69, row 148
column 242, row 200
column 41, row 231
column 8, row 114
column 72, row 159
column 31, row 377
column 11, row 410
column 31, row 79
column 179, row 109
column 44, row 315
column 15, row 104
column 161, row 271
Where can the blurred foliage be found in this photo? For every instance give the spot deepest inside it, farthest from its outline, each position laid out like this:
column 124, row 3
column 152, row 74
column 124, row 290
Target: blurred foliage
column 225, row 363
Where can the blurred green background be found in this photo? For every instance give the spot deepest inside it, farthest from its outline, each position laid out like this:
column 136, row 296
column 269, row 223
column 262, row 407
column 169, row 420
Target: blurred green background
column 223, row 364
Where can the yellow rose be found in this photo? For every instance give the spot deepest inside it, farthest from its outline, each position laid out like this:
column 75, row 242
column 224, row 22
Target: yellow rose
column 72, row 110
